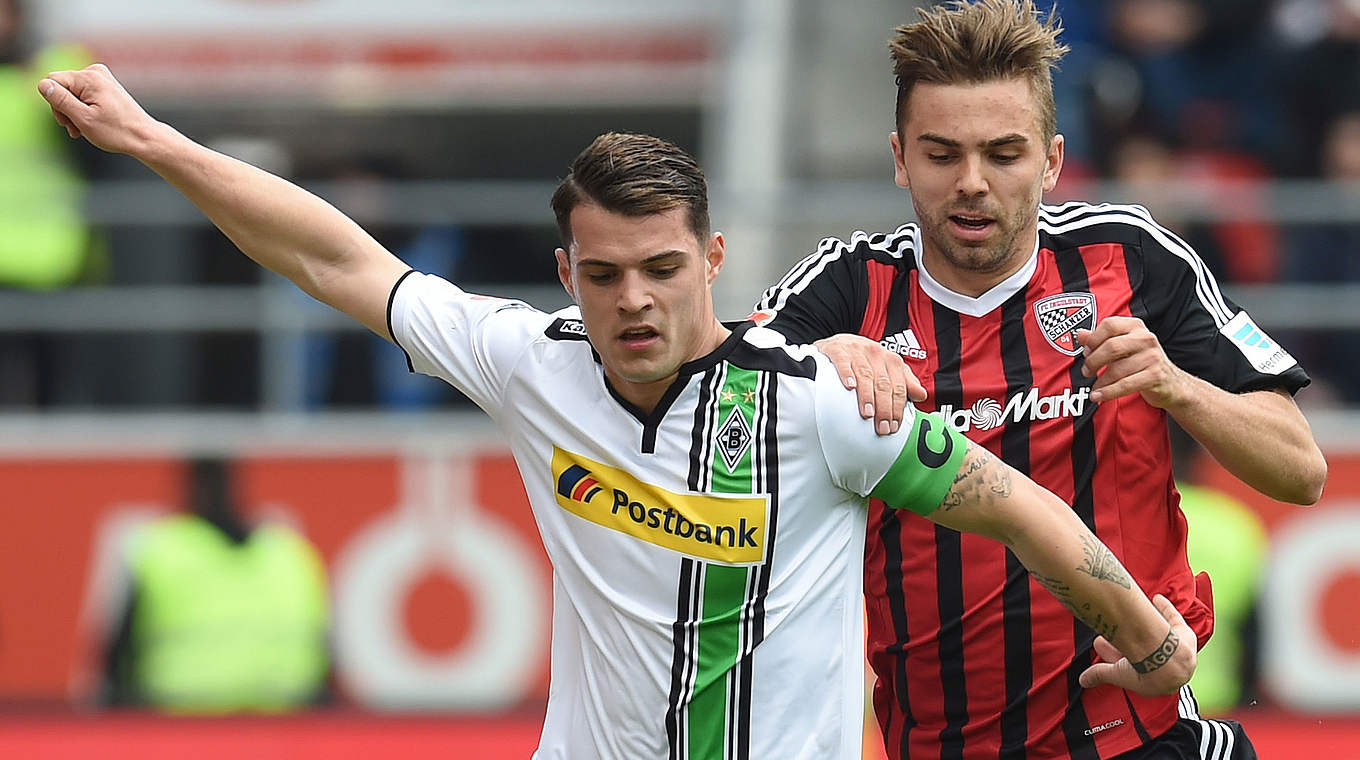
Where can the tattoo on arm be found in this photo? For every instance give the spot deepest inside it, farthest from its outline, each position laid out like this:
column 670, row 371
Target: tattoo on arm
column 980, row 472
column 1101, row 563
column 1159, row 656
column 1063, row 593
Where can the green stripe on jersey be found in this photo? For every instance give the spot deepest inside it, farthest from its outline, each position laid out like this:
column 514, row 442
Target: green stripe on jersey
column 725, row 587
column 925, row 468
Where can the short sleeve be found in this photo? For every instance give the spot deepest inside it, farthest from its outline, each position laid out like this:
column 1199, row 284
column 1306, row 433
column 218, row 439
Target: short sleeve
column 822, row 295
column 1201, row 330
column 911, row 469
column 471, row 341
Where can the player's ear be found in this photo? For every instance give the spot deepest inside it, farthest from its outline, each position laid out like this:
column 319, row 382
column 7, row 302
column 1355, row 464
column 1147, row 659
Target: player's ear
column 714, row 257
column 564, row 271
column 1053, row 162
column 899, row 161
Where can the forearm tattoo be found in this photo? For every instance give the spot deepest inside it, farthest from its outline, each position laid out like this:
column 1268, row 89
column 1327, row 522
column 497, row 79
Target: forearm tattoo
column 1101, row 563
column 1063, row 593
column 979, row 473
column 1160, row 656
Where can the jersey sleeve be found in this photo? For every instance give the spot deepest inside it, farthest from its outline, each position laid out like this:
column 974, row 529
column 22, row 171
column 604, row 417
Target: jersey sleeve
column 470, row 341
column 822, row 295
column 1202, row 330
column 910, row 469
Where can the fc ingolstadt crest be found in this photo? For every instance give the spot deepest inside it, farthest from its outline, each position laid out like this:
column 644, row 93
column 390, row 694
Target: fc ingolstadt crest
column 1062, row 315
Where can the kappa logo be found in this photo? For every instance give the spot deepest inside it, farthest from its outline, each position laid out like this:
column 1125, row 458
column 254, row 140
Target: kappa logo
column 1062, row 315
column 734, row 438
column 904, row 344
column 722, row 528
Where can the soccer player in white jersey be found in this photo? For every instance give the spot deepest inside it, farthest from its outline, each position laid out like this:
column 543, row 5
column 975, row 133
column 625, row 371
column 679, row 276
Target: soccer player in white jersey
column 699, row 487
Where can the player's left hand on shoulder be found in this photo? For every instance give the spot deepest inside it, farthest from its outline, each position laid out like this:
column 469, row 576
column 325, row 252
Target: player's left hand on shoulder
column 879, row 377
column 1162, row 671
column 1126, row 357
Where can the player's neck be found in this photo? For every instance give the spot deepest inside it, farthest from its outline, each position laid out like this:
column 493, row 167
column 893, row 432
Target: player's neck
column 647, row 395
column 971, row 282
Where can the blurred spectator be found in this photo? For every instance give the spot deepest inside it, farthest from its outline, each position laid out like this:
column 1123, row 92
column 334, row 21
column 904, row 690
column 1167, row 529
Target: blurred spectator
column 1203, row 68
column 1323, row 74
column 222, row 617
column 1330, row 253
column 1228, row 541
column 43, row 237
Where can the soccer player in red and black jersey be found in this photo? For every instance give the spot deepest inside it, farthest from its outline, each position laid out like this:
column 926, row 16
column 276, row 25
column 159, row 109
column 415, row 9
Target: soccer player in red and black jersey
column 1059, row 337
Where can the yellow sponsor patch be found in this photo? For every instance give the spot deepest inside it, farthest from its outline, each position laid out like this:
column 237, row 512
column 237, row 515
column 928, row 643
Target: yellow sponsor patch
column 713, row 527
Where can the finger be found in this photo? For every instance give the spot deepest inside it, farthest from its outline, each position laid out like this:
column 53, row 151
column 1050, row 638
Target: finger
column 915, row 390
column 1126, row 386
column 1108, row 652
column 841, row 361
column 1115, row 348
column 889, row 390
column 865, row 388
column 1103, row 673
column 61, row 99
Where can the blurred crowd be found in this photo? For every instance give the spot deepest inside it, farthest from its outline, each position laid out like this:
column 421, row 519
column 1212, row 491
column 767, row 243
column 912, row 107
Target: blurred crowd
column 1156, row 94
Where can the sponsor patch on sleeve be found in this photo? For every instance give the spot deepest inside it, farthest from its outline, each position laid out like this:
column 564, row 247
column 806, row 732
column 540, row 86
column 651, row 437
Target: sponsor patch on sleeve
column 1260, row 350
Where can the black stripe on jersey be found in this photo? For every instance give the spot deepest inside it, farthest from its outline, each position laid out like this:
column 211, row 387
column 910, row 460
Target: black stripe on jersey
column 682, row 666
column 1015, row 601
column 1133, row 219
column 775, row 359
column 1138, row 727
column 391, row 297
column 701, row 434
column 1080, row 744
column 765, row 458
column 949, row 552
column 879, row 246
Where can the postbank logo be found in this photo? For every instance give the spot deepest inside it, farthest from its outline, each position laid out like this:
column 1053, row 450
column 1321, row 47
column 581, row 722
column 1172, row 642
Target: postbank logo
column 728, row 529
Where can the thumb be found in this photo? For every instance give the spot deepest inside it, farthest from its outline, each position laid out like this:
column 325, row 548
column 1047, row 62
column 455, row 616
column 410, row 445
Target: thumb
column 1099, row 674
column 60, row 98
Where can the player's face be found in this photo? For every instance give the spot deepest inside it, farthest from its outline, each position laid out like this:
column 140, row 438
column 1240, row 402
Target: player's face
column 644, row 285
column 975, row 161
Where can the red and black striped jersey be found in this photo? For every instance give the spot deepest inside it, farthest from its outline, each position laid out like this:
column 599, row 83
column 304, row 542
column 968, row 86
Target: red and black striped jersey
column 973, row 659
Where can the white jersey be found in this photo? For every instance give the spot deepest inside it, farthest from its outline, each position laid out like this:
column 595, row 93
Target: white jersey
column 707, row 555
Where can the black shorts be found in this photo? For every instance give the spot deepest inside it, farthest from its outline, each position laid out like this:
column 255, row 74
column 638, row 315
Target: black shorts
column 1197, row 739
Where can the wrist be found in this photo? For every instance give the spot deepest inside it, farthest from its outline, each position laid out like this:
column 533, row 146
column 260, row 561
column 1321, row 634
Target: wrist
column 1159, row 656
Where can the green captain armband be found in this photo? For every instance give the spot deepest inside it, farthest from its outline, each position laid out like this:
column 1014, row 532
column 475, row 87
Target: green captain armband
column 924, row 470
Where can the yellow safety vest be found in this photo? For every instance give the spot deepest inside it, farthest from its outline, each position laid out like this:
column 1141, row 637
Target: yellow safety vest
column 220, row 626
column 1226, row 539
column 43, row 235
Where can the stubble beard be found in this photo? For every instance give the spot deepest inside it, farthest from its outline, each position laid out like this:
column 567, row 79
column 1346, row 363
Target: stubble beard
column 982, row 258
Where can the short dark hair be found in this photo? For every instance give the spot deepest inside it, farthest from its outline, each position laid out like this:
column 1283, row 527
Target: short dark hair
column 970, row 43
column 634, row 175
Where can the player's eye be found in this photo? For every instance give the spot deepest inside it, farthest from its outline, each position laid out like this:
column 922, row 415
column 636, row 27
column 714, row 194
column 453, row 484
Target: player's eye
column 939, row 158
column 600, row 278
column 663, row 273
column 1006, row 158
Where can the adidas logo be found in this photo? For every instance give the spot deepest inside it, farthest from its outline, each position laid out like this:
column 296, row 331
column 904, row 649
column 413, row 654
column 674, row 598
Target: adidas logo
column 904, row 344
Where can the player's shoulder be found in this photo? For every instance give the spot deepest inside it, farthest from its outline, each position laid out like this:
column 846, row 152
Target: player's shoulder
column 897, row 248
column 1076, row 225
column 763, row 349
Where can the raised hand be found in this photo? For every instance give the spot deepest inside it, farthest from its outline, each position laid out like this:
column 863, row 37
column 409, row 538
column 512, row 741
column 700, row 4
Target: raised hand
column 91, row 103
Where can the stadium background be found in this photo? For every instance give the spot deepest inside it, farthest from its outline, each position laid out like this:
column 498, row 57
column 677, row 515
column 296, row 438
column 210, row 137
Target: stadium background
column 443, row 126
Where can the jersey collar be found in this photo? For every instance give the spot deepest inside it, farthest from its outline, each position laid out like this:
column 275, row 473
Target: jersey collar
column 973, row 307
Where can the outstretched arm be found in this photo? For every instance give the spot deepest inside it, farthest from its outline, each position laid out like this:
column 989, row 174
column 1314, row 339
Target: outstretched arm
column 990, row 498
column 281, row 226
